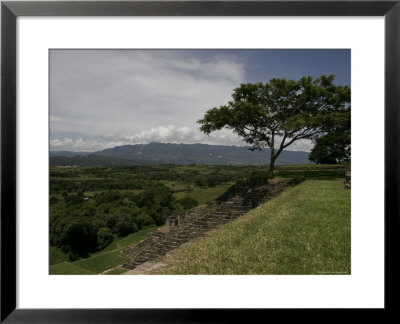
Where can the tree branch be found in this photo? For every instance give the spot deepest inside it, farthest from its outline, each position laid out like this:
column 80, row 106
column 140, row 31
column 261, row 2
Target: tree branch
column 302, row 136
column 259, row 133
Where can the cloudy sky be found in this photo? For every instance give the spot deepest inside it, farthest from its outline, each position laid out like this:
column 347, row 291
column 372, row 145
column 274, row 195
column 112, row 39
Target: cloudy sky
column 104, row 98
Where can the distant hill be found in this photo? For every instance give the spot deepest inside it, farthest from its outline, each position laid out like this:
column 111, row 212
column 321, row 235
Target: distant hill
column 160, row 153
column 68, row 153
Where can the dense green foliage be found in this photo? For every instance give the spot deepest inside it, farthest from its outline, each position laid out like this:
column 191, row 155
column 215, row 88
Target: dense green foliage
column 115, row 213
column 98, row 262
column 305, row 230
column 334, row 146
column 80, row 226
column 326, row 173
column 280, row 112
column 90, row 207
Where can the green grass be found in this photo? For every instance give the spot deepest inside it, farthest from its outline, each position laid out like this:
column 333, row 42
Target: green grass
column 120, row 243
column 57, row 256
column 175, row 186
column 135, row 237
column 205, row 195
column 66, row 268
column 305, row 230
column 103, row 260
column 293, row 233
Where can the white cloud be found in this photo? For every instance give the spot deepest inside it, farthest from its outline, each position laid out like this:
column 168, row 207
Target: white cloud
column 161, row 134
column 79, row 145
column 98, row 92
column 139, row 97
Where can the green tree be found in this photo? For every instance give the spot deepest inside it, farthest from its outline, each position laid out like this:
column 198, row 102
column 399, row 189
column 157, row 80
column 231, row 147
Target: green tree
column 144, row 220
column 104, row 237
column 159, row 194
column 125, row 227
column 334, row 146
column 187, row 202
column 331, row 148
column 280, row 112
column 79, row 236
column 54, row 200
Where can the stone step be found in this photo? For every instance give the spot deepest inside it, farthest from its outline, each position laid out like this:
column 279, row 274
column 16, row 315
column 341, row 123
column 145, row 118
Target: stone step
column 199, row 222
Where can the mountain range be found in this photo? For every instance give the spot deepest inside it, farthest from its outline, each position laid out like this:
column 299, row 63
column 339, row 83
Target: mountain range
column 165, row 153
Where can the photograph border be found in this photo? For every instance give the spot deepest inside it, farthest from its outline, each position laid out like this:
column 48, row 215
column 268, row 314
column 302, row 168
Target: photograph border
column 10, row 10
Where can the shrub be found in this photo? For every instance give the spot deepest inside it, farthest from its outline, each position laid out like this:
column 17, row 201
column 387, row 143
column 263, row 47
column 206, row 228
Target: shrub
column 107, row 197
column 73, row 200
column 187, row 202
column 78, row 236
column 54, row 200
column 104, row 237
column 158, row 194
column 125, row 227
column 143, row 220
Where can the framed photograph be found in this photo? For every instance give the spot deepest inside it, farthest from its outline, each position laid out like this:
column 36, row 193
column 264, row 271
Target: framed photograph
column 130, row 129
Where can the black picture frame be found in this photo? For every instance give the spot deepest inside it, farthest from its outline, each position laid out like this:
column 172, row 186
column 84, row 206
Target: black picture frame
column 10, row 10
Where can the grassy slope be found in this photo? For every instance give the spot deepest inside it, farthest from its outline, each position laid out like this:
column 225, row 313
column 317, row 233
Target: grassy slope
column 66, row 268
column 103, row 260
column 305, row 230
column 204, row 195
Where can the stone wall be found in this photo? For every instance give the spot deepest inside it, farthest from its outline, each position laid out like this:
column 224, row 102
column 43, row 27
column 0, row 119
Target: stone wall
column 347, row 180
column 183, row 228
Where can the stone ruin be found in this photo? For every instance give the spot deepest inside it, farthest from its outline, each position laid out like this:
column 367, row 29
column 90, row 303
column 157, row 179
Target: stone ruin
column 347, row 180
column 181, row 229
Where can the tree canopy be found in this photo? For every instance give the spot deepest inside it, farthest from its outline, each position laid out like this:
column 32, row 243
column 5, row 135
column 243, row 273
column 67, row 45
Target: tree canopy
column 334, row 146
column 278, row 113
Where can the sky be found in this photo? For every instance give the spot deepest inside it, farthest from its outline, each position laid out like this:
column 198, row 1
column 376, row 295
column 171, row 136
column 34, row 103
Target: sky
column 105, row 98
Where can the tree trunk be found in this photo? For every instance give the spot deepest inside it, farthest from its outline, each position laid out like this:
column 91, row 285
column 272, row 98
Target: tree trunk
column 271, row 166
column 272, row 160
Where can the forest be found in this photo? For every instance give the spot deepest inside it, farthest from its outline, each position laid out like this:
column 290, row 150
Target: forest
column 92, row 206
